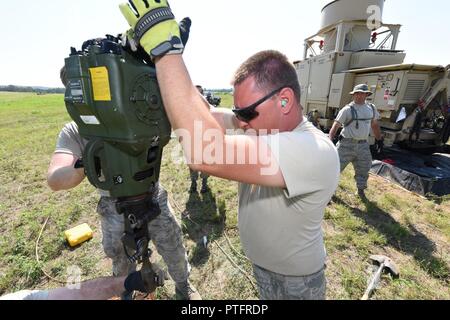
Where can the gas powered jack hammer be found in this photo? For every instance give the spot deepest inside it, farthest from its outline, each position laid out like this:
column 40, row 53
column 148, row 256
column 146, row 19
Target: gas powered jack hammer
column 113, row 96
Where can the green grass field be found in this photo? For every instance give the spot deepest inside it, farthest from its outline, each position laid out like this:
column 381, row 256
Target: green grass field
column 413, row 231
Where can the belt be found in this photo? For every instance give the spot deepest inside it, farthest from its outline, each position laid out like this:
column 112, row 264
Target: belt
column 355, row 140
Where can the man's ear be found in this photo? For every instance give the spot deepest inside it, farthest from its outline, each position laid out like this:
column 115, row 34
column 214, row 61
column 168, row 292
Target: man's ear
column 286, row 99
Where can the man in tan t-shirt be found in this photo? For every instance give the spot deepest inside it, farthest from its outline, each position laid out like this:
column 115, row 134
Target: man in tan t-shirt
column 287, row 169
column 64, row 173
column 287, row 172
column 357, row 119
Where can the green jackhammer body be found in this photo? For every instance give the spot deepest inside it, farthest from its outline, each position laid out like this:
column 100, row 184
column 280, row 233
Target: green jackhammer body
column 115, row 100
column 112, row 94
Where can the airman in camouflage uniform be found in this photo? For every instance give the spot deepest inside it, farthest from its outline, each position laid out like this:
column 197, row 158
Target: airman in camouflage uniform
column 164, row 230
column 357, row 118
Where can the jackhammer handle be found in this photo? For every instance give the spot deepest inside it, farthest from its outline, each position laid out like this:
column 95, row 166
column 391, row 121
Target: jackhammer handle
column 92, row 150
column 373, row 282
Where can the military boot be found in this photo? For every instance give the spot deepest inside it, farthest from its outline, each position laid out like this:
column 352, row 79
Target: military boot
column 361, row 194
column 186, row 291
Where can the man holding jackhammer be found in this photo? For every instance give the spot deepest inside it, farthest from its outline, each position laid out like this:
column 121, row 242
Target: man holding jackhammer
column 286, row 168
column 66, row 172
column 358, row 118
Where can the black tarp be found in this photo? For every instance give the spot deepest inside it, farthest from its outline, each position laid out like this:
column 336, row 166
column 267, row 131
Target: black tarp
column 419, row 173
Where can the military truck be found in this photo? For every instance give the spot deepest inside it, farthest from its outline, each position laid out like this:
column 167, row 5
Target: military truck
column 354, row 46
column 212, row 99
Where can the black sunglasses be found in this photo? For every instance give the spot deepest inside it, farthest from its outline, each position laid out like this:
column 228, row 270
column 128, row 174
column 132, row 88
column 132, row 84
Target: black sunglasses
column 249, row 113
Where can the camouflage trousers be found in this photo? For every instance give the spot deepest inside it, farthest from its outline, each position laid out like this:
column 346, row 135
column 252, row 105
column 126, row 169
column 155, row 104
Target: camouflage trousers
column 361, row 158
column 164, row 231
column 194, row 175
column 274, row 286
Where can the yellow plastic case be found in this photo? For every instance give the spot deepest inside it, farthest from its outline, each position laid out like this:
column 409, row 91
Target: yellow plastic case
column 78, row 234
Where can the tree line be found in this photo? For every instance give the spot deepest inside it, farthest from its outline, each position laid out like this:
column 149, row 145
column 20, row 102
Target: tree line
column 14, row 88
column 39, row 90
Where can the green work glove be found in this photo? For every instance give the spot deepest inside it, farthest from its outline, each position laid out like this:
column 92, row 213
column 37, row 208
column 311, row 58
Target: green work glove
column 154, row 26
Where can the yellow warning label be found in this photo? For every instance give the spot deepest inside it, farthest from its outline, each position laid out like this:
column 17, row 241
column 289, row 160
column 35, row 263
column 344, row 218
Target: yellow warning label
column 100, row 84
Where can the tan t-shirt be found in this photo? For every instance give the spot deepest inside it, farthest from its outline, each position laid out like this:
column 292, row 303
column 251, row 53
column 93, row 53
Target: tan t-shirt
column 69, row 141
column 358, row 129
column 280, row 229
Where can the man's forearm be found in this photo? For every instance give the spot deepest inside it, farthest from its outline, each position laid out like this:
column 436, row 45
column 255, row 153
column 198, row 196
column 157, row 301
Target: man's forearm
column 333, row 131
column 183, row 104
column 65, row 178
column 96, row 289
column 185, row 107
column 377, row 131
column 226, row 118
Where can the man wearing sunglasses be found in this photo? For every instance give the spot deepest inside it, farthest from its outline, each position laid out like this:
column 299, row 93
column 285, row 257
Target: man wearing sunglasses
column 286, row 168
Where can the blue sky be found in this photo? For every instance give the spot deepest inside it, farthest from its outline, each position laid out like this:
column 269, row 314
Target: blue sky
column 36, row 35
